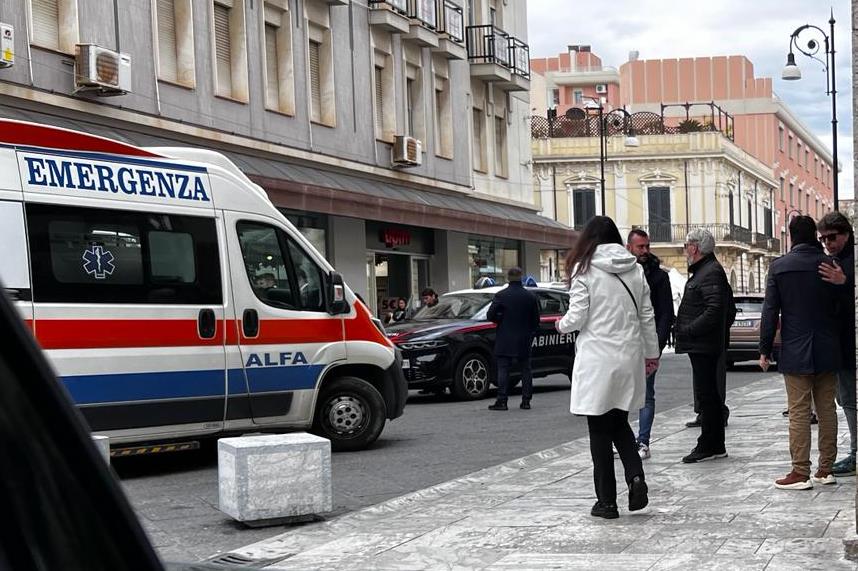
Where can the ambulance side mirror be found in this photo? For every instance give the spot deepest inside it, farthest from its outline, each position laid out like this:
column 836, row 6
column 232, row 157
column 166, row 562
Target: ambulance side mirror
column 336, row 294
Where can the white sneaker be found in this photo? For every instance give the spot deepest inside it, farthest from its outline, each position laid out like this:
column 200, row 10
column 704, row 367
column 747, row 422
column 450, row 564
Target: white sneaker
column 823, row 478
column 643, row 451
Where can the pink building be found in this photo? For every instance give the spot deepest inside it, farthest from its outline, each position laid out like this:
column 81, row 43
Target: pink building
column 569, row 79
column 764, row 126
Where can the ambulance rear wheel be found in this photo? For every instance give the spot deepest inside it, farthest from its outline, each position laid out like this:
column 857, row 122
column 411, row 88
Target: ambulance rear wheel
column 350, row 413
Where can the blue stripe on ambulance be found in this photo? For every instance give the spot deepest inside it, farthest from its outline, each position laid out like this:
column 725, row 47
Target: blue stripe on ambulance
column 124, row 387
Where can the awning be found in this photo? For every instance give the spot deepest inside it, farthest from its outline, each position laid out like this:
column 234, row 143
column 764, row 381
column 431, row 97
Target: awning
column 299, row 186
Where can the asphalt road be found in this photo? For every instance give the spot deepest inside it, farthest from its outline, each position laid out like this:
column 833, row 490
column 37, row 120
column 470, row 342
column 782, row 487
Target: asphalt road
column 436, row 440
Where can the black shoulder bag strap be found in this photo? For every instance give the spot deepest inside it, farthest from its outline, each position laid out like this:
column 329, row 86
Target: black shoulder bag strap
column 630, row 292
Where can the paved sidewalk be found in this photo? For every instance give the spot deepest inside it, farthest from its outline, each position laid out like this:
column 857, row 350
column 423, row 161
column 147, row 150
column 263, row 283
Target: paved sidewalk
column 533, row 513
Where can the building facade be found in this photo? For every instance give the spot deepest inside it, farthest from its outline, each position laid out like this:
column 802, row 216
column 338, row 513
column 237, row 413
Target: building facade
column 667, row 185
column 570, row 80
column 393, row 133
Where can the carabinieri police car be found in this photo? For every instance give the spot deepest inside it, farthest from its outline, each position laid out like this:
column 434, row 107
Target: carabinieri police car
column 450, row 344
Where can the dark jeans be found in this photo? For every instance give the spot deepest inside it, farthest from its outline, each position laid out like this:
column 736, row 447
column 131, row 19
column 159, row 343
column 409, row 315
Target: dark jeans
column 606, row 431
column 722, row 387
column 647, row 413
column 705, row 369
column 504, row 366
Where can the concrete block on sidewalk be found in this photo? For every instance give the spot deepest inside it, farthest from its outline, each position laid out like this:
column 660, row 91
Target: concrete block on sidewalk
column 103, row 445
column 272, row 479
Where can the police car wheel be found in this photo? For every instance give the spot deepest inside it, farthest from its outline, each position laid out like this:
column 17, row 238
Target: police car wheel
column 472, row 377
column 350, row 413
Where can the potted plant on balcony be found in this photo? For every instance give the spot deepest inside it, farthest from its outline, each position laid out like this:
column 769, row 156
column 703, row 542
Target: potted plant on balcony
column 690, row 126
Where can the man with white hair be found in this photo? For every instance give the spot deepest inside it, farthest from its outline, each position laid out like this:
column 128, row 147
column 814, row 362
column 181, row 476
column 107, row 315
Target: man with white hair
column 702, row 328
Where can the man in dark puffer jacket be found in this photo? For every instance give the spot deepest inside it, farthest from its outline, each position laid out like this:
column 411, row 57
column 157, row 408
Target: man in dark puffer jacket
column 702, row 330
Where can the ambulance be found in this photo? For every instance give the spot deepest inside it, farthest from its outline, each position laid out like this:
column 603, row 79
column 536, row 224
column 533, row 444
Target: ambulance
column 176, row 303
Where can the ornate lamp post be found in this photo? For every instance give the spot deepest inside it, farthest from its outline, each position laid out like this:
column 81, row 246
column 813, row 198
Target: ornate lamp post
column 618, row 119
column 792, row 72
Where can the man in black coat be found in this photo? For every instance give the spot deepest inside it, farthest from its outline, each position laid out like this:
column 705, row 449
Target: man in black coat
column 702, row 328
column 810, row 350
column 662, row 305
column 836, row 235
column 516, row 312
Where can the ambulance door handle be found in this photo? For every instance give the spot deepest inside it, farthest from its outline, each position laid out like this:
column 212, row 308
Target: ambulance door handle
column 250, row 323
column 206, row 324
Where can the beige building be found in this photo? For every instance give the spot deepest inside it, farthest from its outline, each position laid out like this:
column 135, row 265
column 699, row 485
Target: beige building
column 667, row 185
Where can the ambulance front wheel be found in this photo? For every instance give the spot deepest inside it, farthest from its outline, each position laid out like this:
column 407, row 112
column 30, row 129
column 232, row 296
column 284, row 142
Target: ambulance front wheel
column 350, row 413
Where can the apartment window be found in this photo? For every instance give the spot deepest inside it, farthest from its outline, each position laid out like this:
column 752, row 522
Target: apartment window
column 414, row 108
column 174, row 35
column 578, row 94
column 583, row 206
column 790, row 148
column 230, row 49
column 799, row 157
column 443, row 110
column 383, row 89
column 501, row 168
column 555, row 98
column 54, row 24
column 807, row 160
column 782, row 188
column 791, row 197
column 279, row 72
column 320, row 60
column 781, row 138
column 816, row 168
column 479, row 147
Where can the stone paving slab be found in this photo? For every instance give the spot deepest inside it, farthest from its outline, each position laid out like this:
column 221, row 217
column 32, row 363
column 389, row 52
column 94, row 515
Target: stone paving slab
column 533, row 512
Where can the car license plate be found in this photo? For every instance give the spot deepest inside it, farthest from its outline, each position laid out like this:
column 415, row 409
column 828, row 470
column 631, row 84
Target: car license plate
column 406, row 364
column 743, row 323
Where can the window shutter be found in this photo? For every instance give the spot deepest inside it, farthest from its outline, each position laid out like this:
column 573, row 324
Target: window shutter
column 223, row 49
column 315, row 81
column 167, row 40
column 46, row 27
column 379, row 101
column 272, row 78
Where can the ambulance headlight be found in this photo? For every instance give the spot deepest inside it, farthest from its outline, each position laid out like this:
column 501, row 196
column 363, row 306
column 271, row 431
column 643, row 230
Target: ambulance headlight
column 423, row 345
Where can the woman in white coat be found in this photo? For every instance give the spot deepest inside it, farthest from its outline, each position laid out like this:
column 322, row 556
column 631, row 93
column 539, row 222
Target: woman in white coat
column 616, row 348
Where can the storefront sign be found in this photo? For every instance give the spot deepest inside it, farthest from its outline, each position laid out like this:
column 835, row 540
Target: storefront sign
column 393, row 237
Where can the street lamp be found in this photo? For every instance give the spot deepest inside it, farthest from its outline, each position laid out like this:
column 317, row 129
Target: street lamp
column 605, row 120
column 792, row 72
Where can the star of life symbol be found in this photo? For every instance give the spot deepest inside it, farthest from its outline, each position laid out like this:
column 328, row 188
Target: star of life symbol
column 98, row 263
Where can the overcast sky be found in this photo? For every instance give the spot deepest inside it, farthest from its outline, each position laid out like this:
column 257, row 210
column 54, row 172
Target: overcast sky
column 758, row 29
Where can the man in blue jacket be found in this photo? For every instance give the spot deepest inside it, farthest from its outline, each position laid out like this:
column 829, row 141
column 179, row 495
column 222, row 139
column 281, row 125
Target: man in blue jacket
column 662, row 305
column 810, row 350
column 516, row 312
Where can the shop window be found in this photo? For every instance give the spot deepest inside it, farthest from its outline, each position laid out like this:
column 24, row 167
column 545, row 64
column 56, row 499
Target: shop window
column 174, row 35
column 492, row 257
column 88, row 255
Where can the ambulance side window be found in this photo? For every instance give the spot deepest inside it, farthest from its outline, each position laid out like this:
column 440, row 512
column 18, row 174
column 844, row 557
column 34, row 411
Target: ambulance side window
column 266, row 264
column 309, row 279
column 96, row 255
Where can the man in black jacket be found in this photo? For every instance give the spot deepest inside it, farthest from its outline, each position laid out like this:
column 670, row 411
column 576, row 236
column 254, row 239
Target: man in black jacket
column 810, row 350
column 836, row 235
column 702, row 329
column 662, row 304
column 516, row 312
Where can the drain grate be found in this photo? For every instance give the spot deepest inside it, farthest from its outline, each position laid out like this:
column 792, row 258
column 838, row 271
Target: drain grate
column 236, row 560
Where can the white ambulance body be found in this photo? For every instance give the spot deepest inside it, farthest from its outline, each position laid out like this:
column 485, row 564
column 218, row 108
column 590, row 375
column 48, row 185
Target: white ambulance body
column 175, row 302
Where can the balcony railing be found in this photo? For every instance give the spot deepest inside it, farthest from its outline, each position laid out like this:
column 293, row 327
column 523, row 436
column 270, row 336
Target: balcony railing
column 767, row 242
column 520, row 57
column 400, row 6
column 450, row 20
column 487, row 44
column 424, row 11
column 660, row 232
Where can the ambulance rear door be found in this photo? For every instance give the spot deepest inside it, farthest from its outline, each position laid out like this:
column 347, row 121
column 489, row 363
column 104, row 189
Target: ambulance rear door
column 128, row 290
column 286, row 335
column 14, row 263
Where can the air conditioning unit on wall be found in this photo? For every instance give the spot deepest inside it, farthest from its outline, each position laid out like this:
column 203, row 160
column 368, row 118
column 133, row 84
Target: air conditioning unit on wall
column 407, row 151
column 101, row 70
column 601, row 88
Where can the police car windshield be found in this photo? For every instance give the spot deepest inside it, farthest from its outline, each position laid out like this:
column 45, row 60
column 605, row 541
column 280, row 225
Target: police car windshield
column 455, row 306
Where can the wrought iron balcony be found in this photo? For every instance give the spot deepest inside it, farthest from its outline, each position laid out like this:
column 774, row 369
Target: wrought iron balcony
column 765, row 242
column 451, row 20
column 661, row 232
column 425, row 12
column 487, row 44
column 519, row 57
